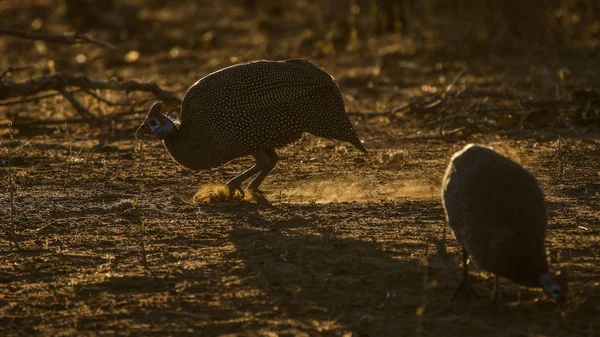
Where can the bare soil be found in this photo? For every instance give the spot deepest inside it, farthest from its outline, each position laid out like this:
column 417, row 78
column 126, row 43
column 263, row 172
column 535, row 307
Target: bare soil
column 351, row 245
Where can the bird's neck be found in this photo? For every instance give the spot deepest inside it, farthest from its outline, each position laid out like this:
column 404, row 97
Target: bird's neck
column 174, row 143
column 190, row 152
column 170, row 128
column 545, row 278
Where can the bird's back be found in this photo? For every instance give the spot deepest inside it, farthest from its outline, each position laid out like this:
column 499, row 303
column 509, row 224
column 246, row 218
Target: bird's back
column 264, row 104
column 497, row 211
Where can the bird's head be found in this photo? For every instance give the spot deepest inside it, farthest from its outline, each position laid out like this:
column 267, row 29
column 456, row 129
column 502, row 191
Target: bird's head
column 156, row 124
column 555, row 285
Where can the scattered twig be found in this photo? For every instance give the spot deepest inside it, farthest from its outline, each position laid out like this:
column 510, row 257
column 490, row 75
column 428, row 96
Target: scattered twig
column 75, row 103
column 11, row 191
column 425, row 106
column 560, row 153
column 137, row 206
column 284, row 256
column 453, row 82
column 20, row 147
column 104, row 100
column 421, row 309
column 13, row 69
column 35, row 99
column 447, row 119
column 70, row 157
column 523, row 117
column 141, row 231
column 65, row 38
column 434, row 104
column 183, row 313
column 399, row 109
column 445, row 137
column 116, row 194
column 501, row 94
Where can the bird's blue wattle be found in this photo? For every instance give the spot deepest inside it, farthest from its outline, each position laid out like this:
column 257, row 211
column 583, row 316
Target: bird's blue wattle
column 164, row 130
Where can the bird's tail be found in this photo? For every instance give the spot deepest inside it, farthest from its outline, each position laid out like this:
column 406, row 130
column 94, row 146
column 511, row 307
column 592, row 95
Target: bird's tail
column 345, row 132
column 358, row 144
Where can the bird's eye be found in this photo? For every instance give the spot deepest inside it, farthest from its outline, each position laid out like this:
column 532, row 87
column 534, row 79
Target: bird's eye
column 153, row 123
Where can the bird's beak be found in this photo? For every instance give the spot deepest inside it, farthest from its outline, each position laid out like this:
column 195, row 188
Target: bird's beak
column 142, row 130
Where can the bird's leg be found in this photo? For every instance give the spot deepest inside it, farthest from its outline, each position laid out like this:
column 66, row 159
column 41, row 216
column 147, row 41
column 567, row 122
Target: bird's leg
column 262, row 159
column 496, row 295
column 267, row 168
column 465, row 284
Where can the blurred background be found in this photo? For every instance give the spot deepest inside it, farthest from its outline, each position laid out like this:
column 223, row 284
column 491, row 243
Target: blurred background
column 384, row 53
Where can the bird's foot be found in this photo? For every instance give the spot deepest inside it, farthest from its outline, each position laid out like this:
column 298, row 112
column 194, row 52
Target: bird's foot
column 497, row 296
column 259, row 197
column 466, row 290
column 498, row 302
column 253, row 191
column 233, row 188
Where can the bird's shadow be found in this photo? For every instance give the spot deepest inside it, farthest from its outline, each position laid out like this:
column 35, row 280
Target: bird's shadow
column 341, row 282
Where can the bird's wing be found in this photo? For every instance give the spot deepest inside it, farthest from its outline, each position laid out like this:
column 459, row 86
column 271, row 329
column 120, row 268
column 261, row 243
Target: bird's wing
column 254, row 87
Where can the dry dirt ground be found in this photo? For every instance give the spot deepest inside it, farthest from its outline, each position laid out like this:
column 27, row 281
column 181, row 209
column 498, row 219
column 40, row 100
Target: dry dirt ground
column 352, row 245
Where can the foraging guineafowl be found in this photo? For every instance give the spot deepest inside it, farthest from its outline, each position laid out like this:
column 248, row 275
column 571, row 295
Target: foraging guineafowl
column 496, row 209
column 252, row 109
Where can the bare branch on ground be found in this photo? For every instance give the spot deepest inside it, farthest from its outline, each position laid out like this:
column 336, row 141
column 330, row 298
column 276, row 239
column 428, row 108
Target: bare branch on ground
column 115, row 117
column 65, row 38
column 75, row 103
column 13, row 69
column 61, row 81
column 65, row 80
column 34, row 99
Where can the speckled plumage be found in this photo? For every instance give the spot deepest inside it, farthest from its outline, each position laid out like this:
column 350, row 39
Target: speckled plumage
column 237, row 110
column 496, row 209
column 256, row 107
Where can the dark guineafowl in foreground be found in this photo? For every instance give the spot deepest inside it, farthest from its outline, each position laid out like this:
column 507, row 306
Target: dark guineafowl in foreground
column 252, row 109
column 497, row 212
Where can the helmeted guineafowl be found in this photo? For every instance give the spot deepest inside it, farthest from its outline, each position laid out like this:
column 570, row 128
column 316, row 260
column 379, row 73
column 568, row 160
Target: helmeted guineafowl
column 252, row 109
column 497, row 212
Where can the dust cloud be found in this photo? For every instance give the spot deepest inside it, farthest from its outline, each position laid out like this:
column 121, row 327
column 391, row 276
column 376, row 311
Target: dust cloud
column 211, row 193
column 325, row 191
column 507, row 151
column 346, row 190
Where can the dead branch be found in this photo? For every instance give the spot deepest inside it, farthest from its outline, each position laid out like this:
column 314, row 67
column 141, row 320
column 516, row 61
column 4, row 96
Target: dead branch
column 433, row 104
column 89, row 92
column 34, row 99
column 59, row 81
column 115, row 117
column 13, row 69
column 76, row 104
column 452, row 83
column 498, row 94
column 65, row 38
column 108, row 102
column 447, row 119
column 427, row 105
